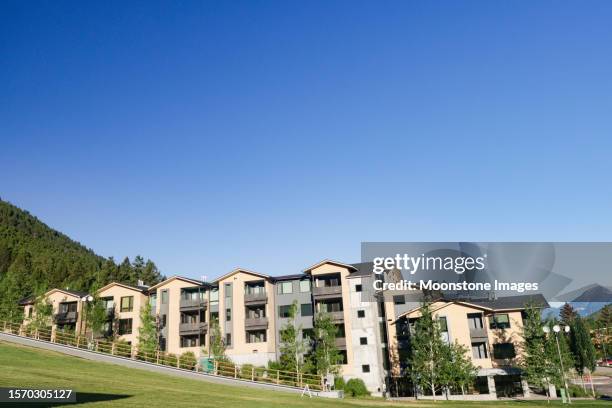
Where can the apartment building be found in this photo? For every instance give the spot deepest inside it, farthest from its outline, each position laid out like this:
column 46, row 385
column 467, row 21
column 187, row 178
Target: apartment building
column 181, row 307
column 252, row 308
column 490, row 329
column 67, row 310
column 123, row 304
column 247, row 316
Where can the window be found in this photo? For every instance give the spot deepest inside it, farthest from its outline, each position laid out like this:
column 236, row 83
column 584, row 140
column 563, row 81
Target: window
column 284, row 311
column 164, row 297
column 214, row 295
column 256, row 336
column 399, row 300
column 479, row 350
column 30, row 312
column 153, row 302
column 285, row 288
column 503, row 351
column 164, row 320
column 363, row 341
column 365, row 368
column 306, row 309
column 125, row 326
column 308, row 334
column 304, row 286
column 127, row 303
column 343, row 359
column 228, row 315
column 443, row 324
column 228, row 290
column 256, row 312
column 358, row 288
column 228, row 339
column 331, row 307
column 340, row 331
column 475, row 321
column 361, row 314
column 189, row 318
column 189, row 341
column 499, row 321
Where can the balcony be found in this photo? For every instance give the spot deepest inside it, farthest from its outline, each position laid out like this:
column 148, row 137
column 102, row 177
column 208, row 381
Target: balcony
column 478, row 333
column 255, row 298
column 322, row 292
column 66, row 318
column 193, row 303
column 256, row 323
column 341, row 343
column 193, row 328
column 335, row 316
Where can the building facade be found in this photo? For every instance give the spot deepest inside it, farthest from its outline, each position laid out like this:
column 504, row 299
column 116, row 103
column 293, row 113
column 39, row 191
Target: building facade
column 251, row 309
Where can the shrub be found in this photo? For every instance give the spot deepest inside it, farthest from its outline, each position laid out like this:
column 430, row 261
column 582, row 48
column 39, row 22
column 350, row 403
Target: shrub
column 168, row 359
column 188, row 360
column 246, row 371
column 339, row 383
column 578, row 392
column 355, row 388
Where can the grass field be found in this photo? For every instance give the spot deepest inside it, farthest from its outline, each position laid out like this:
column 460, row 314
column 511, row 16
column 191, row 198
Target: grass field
column 106, row 385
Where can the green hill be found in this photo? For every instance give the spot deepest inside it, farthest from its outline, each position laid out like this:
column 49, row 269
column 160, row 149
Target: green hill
column 35, row 257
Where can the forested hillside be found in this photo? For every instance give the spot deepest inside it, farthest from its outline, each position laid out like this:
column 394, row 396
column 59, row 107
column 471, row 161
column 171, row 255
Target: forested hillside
column 34, row 257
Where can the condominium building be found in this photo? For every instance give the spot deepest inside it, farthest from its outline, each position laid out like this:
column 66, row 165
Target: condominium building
column 123, row 304
column 252, row 308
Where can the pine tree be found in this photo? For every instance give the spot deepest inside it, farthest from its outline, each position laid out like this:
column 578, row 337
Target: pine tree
column 582, row 348
column 293, row 346
column 326, row 355
column 567, row 314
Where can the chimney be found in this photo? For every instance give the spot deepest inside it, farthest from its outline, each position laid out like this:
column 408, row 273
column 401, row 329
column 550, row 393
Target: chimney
column 140, row 282
column 204, row 278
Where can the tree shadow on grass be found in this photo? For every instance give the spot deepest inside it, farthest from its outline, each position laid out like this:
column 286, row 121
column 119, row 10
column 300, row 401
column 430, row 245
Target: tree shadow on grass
column 81, row 398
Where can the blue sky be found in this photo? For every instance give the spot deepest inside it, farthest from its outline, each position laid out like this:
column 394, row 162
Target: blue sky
column 270, row 135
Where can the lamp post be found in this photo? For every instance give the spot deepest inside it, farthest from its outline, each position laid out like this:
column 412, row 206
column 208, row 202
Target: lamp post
column 86, row 300
column 556, row 328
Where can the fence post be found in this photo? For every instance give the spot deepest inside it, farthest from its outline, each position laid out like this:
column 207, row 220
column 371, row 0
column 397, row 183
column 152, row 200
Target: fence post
column 277, row 377
column 112, row 348
column 156, row 356
column 252, row 373
column 235, row 371
column 78, row 341
column 216, row 367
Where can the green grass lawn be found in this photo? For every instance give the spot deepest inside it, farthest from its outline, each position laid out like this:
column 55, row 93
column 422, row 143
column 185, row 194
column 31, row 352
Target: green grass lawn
column 108, row 385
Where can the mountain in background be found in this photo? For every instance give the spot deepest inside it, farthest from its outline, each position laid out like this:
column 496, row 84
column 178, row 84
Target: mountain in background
column 35, row 257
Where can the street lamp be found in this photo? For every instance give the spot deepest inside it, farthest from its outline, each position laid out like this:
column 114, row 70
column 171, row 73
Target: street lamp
column 556, row 328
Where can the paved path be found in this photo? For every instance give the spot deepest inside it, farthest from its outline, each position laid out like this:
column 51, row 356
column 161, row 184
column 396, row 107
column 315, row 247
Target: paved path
column 92, row 355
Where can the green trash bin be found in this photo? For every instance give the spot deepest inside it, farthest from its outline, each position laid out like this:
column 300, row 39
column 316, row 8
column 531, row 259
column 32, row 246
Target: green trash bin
column 207, row 364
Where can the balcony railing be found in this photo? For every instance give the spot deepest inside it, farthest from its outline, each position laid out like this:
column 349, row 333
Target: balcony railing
column 253, row 298
column 192, row 303
column 335, row 316
column 67, row 317
column 476, row 333
column 193, row 327
column 256, row 323
column 327, row 291
column 341, row 343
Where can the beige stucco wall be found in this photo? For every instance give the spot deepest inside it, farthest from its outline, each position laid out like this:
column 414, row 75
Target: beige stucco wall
column 117, row 292
column 329, row 268
column 239, row 345
column 174, row 287
column 55, row 297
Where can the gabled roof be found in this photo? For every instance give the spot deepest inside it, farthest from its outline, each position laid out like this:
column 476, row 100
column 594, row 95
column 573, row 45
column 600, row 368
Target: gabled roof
column 141, row 289
column 175, row 277
column 329, row 261
column 240, row 270
column 502, row 304
column 75, row 293
column 27, row 301
column 289, row 277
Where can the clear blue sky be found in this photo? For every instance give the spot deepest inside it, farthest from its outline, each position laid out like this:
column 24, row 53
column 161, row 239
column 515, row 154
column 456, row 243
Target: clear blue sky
column 270, row 135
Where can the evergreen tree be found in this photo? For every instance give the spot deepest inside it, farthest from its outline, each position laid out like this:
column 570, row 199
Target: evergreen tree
column 582, row 348
column 126, row 272
column 150, row 274
column 429, row 353
column 326, row 355
column 293, row 346
column 567, row 314
column 5, row 258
